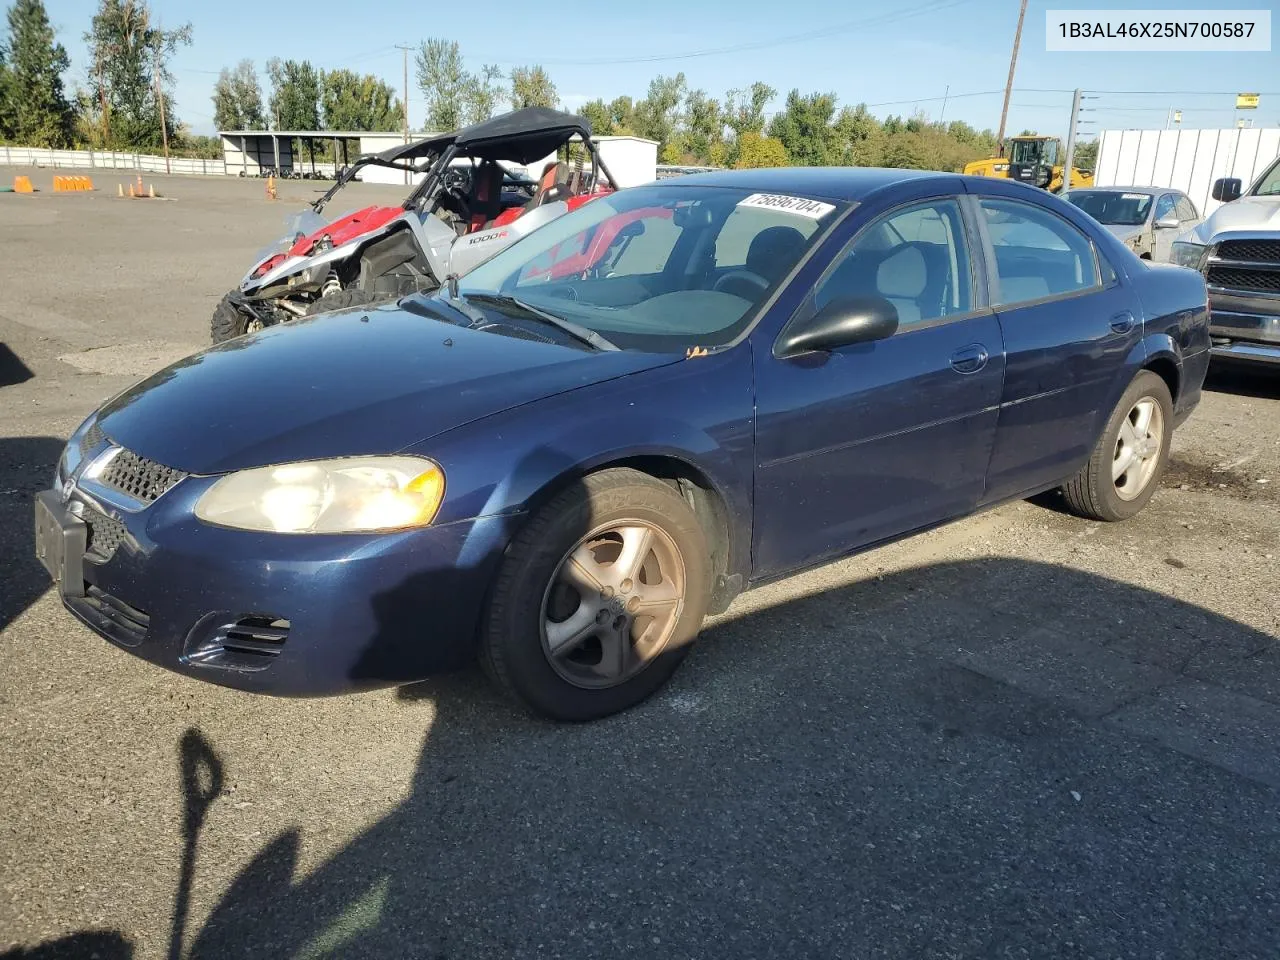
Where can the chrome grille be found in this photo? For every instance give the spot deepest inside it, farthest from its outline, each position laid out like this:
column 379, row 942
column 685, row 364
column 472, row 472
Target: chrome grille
column 140, row 478
column 1255, row 251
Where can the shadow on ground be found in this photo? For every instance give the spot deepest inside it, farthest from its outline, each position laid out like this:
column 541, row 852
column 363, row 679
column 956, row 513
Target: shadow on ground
column 1244, row 379
column 12, row 369
column 27, row 465
column 970, row 759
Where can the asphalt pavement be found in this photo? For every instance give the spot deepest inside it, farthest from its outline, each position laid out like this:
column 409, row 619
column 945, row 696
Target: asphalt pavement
column 1022, row 735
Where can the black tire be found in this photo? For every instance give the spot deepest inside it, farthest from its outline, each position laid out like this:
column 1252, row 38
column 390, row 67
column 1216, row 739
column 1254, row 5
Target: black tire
column 1092, row 493
column 352, row 299
column 511, row 647
column 228, row 321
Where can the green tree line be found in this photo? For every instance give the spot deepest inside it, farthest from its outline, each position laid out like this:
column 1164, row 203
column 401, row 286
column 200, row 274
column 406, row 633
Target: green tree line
column 127, row 90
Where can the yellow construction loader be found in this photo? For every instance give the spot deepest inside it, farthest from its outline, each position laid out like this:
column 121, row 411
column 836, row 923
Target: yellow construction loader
column 1032, row 160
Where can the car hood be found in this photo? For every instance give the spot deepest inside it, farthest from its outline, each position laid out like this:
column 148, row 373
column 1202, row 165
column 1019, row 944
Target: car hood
column 1245, row 215
column 372, row 381
column 1124, row 232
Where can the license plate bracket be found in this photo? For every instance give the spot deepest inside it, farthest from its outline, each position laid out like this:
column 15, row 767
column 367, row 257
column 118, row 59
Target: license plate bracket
column 61, row 541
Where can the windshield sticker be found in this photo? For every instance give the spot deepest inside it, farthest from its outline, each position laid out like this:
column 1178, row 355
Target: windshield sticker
column 813, row 209
column 1134, row 196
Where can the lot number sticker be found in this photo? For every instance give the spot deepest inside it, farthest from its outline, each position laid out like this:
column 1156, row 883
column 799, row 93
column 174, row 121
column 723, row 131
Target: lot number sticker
column 812, row 209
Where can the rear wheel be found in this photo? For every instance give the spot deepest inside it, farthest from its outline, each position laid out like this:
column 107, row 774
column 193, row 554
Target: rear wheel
column 229, row 321
column 1126, row 465
column 599, row 597
column 352, row 299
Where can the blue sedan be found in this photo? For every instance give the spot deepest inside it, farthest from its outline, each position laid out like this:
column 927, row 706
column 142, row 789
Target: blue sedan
column 564, row 460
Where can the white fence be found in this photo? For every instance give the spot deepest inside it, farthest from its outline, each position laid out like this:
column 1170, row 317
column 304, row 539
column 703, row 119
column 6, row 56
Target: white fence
column 1187, row 160
column 106, row 160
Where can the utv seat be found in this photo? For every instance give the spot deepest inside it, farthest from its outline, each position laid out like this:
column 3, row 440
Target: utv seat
column 486, row 195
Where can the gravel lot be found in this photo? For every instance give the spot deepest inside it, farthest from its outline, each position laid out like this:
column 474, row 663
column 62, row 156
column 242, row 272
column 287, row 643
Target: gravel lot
column 1023, row 735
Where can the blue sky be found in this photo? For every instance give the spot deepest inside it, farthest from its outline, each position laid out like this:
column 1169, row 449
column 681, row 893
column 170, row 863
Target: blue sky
column 878, row 53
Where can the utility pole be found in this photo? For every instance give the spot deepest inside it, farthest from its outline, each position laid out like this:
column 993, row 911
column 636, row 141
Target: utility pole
column 1008, row 87
column 164, row 127
column 405, row 48
column 945, row 94
column 1071, row 141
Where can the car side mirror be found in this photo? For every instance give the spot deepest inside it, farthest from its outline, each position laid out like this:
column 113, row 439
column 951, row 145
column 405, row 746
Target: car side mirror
column 1227, row 189
column 841, row 323
column 1168, row 222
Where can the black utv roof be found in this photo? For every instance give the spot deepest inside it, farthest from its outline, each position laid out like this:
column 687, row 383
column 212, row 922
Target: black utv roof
column 417, row 149
column 521, row 136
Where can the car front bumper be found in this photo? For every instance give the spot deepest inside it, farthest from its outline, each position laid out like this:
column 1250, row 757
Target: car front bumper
column 271, row 613
column 1245, row 327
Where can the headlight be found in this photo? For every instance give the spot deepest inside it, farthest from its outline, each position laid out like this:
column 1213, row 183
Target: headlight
column 1188, row 254
column 348, row 495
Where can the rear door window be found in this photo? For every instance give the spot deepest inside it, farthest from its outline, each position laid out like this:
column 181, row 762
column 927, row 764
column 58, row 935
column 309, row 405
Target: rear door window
column 1038, row 254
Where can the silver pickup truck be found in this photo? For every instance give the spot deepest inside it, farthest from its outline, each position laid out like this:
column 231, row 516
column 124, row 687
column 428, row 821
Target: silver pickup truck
column 1238, row 251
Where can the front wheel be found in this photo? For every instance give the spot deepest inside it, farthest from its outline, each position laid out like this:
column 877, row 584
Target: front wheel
column 229, row 321
column 598, row 598
column 1130, row 457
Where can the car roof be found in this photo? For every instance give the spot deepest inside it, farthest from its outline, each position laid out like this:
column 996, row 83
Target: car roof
column 1148, row 191
column 833, row 183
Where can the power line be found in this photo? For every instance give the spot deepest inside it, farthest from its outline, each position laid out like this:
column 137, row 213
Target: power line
column 933, row 6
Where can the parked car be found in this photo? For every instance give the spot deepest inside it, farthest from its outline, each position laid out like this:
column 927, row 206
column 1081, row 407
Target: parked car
column 567, row 460
column 1146, row 219
column 1238, row 250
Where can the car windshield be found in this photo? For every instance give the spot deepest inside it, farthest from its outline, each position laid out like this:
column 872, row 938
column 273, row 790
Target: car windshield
column 1113, row 206
column 1269, row 185
column 660, row 267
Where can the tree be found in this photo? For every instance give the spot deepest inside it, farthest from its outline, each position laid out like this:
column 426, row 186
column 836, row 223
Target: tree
column 704, row 126
column 126, row 57
column 444, row 83
column 598, row 115
column 295, row 94
column 237, row 99
column 622, row 113
column 483, row 95
column 757, row 150
column 40, row 113
column 1086, row 155
column 7, row 106
column 657, row 115
column 532, row 87
column 804, row 127
column 744, row 108
column 352, row 102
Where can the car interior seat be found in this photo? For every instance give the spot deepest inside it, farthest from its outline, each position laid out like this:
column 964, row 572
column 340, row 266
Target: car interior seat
column 770, row 256
column 902, row 278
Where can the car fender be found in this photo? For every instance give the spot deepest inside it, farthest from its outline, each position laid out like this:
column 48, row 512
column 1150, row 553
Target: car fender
column 696, row 413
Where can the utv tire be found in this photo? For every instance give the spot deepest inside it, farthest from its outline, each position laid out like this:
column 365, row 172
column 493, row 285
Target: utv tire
column 228, row 322
column 1126, row 466
column 351, row 299
column 640, row 556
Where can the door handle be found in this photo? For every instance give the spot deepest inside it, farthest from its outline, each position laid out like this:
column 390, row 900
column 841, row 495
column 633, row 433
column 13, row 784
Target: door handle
column 969, row 359
column 1122, row 322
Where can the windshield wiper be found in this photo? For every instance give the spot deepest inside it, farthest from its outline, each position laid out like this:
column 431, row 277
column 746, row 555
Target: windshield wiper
column 589, row 337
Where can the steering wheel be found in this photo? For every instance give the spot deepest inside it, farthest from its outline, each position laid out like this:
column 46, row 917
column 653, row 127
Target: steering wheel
column 736, row 280
column 456, row 201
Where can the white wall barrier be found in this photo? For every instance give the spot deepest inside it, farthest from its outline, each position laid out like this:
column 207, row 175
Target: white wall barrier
column 106, row 160
column 1187, row 160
